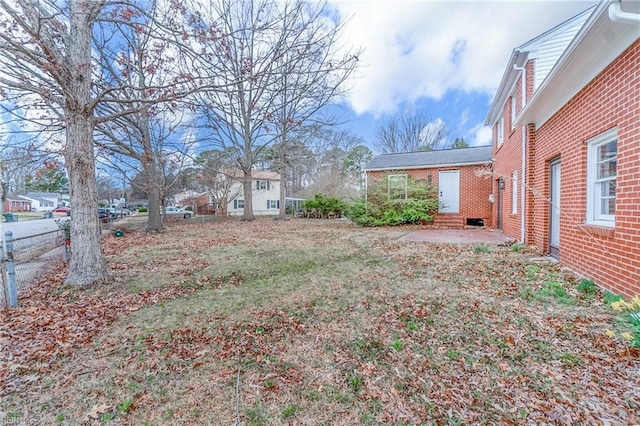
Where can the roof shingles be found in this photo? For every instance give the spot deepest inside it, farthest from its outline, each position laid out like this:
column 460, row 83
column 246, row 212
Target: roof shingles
column 424, row 159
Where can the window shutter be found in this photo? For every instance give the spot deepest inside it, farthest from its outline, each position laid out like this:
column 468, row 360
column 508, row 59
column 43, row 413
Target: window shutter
column 268, row 185
column 268, row 204
column 258, row 184
column 235, row 204
column 278, row 204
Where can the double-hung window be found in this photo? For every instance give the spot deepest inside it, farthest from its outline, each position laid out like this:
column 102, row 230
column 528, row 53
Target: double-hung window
column 397, row 187
column 500, row 131
column 273, row 204
column 262, row 184
column 602, row 162
column 238, row 204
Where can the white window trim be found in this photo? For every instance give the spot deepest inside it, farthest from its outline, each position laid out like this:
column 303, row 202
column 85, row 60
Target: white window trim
column 500, row 130
column 594, row 218
column 403, row 175
column 514, row 192
column 513, row 109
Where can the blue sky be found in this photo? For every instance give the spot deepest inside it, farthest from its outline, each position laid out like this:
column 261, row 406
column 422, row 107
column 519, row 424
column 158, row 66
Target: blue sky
column 445, row 57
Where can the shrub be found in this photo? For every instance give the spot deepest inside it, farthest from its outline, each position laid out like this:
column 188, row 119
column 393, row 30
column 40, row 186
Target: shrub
column 142, row 210
column 323, row 207
column 380, row 209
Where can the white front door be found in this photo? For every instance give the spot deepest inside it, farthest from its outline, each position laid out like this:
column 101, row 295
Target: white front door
column 449, row 191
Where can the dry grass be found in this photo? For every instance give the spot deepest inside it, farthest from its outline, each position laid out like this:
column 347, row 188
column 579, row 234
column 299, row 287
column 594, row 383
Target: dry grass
column 317, row 322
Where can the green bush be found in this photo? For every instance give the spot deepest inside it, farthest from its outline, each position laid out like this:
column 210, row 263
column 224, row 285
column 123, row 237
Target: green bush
column 323, row 207
column 142, row 210
column 381, row 209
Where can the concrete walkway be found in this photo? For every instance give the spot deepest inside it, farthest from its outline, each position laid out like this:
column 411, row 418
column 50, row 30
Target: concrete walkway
column 457, row 236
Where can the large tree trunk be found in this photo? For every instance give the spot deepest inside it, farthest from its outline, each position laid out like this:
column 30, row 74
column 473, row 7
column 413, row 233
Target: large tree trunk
column 247, row 190
column 154, row 220
column 283, row 188
column 155, row 178
column 87, row 265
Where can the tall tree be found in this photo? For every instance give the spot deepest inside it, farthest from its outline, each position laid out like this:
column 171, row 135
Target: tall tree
column 45, row 54
column 459, row 143
column 281, row 64
column 355, row 161
column 408, row 131
column 51, row 177
column 46, row 65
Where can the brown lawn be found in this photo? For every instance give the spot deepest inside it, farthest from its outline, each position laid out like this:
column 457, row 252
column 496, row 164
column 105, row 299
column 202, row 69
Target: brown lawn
column 316, row 323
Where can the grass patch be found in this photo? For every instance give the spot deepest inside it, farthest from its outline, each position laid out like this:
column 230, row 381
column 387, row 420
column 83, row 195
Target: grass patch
column 314, row 322
column 482, row 248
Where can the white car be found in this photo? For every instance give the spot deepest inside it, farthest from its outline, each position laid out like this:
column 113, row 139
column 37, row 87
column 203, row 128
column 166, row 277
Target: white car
column 179, row 211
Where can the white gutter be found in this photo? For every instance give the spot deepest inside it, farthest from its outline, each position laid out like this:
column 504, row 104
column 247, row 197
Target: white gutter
column 524, row 156
column 616, row 14
column 428, row 166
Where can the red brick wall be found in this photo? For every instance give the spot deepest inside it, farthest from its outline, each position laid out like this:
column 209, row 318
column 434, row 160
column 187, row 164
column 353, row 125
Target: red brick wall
column 508, row 159
column 610, row 257
column 475, row 189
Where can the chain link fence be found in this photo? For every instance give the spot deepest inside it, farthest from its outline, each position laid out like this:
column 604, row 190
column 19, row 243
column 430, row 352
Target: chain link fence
column 27, row 259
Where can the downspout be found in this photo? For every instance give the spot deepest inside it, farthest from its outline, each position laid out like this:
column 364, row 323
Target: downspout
column 616, row 14
column 523, row 187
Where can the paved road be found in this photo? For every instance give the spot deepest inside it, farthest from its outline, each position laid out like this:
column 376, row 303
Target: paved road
column 29, row 227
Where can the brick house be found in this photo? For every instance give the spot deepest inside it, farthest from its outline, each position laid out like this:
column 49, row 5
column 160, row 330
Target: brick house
column 461, row 176
column 16, row 203
column 566, row 131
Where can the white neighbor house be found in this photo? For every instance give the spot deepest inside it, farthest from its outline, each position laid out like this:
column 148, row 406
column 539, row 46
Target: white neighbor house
column 44, row 201
column 265, row 195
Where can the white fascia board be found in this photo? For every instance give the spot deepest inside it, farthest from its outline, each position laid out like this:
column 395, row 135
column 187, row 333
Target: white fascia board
column 597, row 44
column 435, row 166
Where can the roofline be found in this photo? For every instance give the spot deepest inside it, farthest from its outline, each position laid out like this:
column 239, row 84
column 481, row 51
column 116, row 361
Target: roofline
column 509, row 78
column 597, row 19
column 435, row 166
column 519, row 58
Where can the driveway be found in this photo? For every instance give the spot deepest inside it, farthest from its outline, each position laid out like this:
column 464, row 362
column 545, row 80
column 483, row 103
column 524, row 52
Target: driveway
column 458, row 236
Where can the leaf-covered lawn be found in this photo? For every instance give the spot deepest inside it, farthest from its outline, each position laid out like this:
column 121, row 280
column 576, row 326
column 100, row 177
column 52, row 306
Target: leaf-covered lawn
column 314, row 322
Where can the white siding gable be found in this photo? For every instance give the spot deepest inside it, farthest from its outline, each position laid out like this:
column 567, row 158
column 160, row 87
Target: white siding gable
column 549, row 50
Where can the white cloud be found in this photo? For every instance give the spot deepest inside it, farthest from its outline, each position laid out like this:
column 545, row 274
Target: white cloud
column 480, row 136
column 416, row 49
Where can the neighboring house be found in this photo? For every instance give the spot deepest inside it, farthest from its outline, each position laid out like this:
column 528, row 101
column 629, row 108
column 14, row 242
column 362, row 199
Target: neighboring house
column 44, row 201
column 265, row 195
column 566, row 120
column 462, row 178
column 185, row 198
column 16, row 203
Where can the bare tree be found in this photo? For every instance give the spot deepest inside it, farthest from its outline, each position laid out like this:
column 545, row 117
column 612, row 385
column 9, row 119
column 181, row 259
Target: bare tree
column 45, row 54
column 46, row 66
column 281, row 65
column 313, row 67
column 408, row 131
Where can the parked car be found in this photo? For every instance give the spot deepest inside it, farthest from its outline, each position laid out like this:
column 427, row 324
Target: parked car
column 61, row 209
column 179, row 212
column 103, row 213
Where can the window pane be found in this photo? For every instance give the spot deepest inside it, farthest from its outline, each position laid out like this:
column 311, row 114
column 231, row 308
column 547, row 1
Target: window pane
column 608, row 206
column 397, row 187
column 608, row 188
column 607, row 151
column 607, row 169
